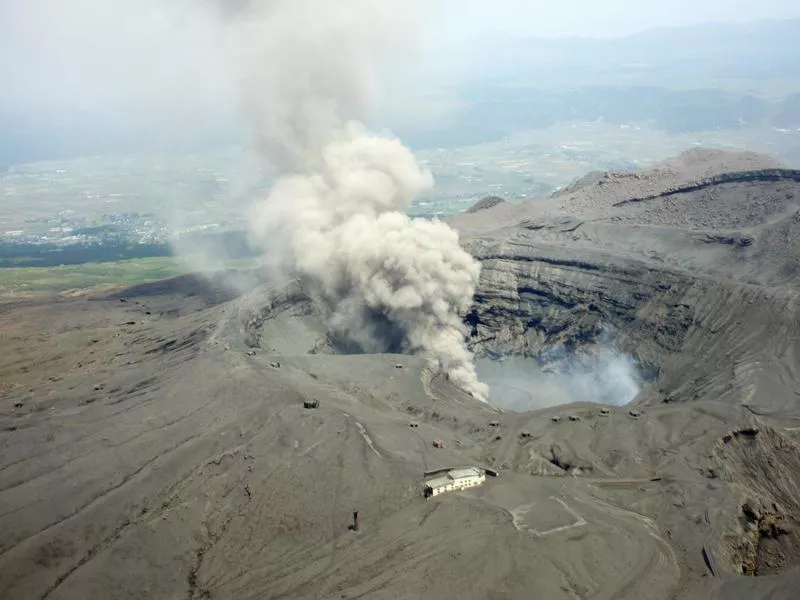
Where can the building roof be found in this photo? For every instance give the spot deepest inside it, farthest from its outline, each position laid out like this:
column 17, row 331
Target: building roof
column 454, row 475
column 438, row 482
column 468, row 472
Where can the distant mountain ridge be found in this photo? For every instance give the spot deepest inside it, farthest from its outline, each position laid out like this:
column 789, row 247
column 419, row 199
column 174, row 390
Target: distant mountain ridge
column 758, row 51
column 695, row 78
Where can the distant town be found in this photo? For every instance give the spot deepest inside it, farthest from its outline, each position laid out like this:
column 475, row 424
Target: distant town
column 113, row 228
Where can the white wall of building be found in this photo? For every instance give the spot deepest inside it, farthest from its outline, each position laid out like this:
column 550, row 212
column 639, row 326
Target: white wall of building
column 456, row 480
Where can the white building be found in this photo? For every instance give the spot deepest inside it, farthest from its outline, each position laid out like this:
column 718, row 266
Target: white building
column 454, row 481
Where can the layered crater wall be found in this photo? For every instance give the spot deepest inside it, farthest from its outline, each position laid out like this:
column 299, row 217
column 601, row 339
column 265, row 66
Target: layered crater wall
column 695, row 279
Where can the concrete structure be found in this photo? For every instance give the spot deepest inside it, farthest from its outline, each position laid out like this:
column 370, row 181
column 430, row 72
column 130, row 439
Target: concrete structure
column 454, row 480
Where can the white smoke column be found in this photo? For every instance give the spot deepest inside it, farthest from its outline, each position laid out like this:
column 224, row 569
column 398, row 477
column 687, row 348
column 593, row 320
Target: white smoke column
column 337, row 214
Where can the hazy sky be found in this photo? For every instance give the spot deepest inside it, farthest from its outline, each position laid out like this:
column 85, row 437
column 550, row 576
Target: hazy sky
column 605, row 18
column 153, row 69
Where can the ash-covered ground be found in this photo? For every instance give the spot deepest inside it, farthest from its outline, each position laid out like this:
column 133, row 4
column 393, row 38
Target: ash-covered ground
column 154, row 442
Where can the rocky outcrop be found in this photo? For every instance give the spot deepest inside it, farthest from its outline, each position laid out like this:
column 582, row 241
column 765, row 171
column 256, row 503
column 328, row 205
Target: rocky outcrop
column 761, row 176
column 601, row 190
column 485, row 203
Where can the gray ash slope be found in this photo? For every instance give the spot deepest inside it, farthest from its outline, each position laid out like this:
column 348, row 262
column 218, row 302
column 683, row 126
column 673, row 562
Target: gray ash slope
column 151, row 451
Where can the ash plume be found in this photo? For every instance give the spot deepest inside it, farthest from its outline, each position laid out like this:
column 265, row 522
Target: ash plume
column 336, row 215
